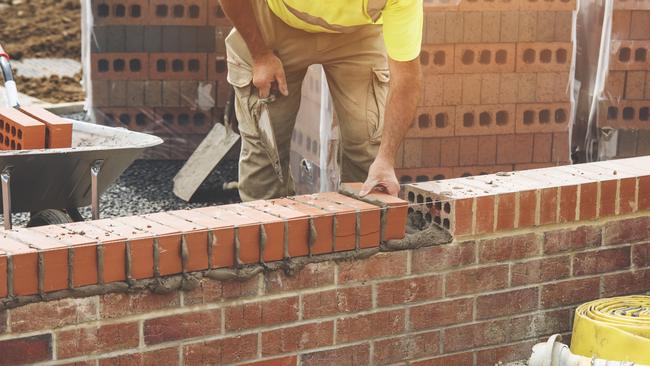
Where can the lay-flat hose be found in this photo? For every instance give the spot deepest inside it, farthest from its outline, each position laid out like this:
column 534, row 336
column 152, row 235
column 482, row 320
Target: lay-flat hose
column 617, row 328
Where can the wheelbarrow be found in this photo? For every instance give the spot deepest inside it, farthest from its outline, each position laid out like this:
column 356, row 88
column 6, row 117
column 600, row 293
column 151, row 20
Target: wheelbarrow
column 52, row 184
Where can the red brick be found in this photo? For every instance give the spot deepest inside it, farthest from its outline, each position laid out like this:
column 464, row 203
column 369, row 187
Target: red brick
column 175, row 8
column 540, row 270
column 644, row 193
column 540, row 324
column 626, row 283
column 608, row 190
column 588, row 201
column 627, row 195
column 160, row 357
column 221, row 351
column 548, row 206
column 310, row 276
column 475, row 335
column 441, row 313
column 409, row 290
column 476, row 280
column 212, row 291
column 118, row 305
column 58, row 131
column 322, row 221
column 369, row 216
column 339, row 301
column 570, row 292
column 97, row 339
column 182, row 326
column 449, row 151
column 542, row 147
column 601, row 261
column 487, row 150
column 282, row 361
column 468, row 150
column 25, row 266
column 543, row 57
column 508, row 248
column 247, row 231
column 469, row 58
column 296, row 225
column 253, row 315
column 568, row 203
column 357, row 355
column 441, row 257
column 641, row 255
column 53, row 314
column 484, row 214
column 506, row 303
column 497, row 119
column 26, row 350
column 466, row 358
column 298, row 338
column 502, row 354
column 571, row 239
column 381, row 265
column 527, row 209
column 506, row 211
column 272, row 228
column 344, row 217
column 369, row 326
column 119, row 66
column 543, row 117
column 408, row 347
column 626, row 231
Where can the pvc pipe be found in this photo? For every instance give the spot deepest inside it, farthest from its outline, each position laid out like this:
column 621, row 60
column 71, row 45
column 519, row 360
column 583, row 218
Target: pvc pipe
column 554, row 353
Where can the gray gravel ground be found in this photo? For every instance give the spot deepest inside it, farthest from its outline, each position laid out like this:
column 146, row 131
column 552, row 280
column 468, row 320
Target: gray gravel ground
column 146, row 187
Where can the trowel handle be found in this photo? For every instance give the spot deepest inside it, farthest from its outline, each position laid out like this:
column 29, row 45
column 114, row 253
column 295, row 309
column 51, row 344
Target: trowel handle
column 10, row 83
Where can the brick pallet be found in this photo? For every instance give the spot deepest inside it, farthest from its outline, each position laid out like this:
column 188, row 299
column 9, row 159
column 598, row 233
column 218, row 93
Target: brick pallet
column 625, row 103
column 496, row 89
column 159, row 67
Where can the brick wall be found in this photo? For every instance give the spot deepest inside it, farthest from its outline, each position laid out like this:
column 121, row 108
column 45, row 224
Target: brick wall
column 178, row 288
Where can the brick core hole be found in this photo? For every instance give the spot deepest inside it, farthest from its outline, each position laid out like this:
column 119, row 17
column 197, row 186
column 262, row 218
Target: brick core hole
column 135, row 65
column 102, row 10
column 424, row 121
column 501, row 57
column 561, row 56
column 177, row 66
column 612, row 113
column 220, row 66
column 193, row 65
column 119, row 64
column 468, row 119
column 161, row 65
column 120, row 11
column 643, row 114
column 628, row 113
column 424, row 58
column 136, row 11
column 545, row 56
column 161, row 10
column 441, row 120
column 485, row 57
column 102, row 65
column 468, row 57
column 560, row 116
column 624, row 54
column 194, row 11
column 529, row 56
column 640, row 54
column 485, row 119
column 439, row 58
column 179, row 11
column 502, row 118
column 544, row 116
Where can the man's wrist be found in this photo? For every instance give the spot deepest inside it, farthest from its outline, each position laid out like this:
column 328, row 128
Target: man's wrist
column 385, row 159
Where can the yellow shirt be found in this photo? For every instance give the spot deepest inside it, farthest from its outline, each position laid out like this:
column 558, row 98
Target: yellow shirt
column 401, row 19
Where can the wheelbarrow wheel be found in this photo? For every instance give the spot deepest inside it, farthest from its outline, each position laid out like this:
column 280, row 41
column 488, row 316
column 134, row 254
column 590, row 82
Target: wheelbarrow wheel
column 48, row 217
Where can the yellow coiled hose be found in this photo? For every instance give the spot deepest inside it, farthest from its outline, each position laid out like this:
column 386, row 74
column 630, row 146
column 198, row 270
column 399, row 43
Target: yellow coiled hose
column 617, row 329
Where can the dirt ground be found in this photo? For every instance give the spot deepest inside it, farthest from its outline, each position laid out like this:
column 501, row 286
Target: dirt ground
column 43, row 28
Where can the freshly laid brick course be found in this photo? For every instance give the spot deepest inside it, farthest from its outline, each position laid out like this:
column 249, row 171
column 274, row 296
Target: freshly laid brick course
column 195, row 288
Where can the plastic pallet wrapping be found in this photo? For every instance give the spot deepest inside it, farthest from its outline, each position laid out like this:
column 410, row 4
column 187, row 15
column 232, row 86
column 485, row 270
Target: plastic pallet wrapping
column 619, row 118
column 156, row 66
column 497, row 89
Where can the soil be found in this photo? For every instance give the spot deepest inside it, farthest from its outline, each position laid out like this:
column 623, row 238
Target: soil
column 44, row 28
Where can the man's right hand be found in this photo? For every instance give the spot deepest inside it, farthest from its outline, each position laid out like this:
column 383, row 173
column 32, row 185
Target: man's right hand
column 266, row 70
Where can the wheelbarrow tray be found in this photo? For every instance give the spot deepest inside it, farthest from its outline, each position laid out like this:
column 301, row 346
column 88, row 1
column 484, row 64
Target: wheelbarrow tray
column 61, row 178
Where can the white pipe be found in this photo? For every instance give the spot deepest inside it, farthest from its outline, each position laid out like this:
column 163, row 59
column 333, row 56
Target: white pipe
column 554, row 353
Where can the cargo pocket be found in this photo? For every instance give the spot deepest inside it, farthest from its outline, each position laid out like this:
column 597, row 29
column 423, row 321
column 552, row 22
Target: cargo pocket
column 377, row 96
column 241, row 77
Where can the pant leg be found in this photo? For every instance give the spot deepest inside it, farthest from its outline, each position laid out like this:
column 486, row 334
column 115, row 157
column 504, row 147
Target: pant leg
column 257, row 178
column 357, row 74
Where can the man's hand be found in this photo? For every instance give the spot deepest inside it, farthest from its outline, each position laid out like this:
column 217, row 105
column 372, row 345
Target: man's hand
column 381, row 178
column 268, row 69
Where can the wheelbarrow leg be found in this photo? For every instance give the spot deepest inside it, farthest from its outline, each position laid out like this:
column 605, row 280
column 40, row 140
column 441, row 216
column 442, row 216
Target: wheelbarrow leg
column 5, row 176
column 95, row 169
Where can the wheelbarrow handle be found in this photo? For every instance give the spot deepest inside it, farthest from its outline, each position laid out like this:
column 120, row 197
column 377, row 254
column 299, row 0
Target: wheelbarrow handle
column 10, row 83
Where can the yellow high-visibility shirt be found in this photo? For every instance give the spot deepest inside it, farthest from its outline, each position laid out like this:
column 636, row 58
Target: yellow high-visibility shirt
column 401, row 19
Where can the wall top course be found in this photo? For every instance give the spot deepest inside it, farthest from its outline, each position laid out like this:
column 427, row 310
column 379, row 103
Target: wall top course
column 238, row 236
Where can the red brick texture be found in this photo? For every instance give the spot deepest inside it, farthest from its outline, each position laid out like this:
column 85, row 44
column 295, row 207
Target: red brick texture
column 478, row 300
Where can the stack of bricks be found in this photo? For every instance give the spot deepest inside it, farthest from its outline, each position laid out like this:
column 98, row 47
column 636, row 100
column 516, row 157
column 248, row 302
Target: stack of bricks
column 158, row 66
column 625, row 104
column 497, row 85
column 32, row 128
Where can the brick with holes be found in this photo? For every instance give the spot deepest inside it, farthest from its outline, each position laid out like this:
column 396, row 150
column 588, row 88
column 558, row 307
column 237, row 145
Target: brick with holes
column 435, row 121
column 178, row 12
column 19, row 131
column 472, row 120
column 118, row 12
column 119, row 66
column 539, row 117
column 544, row 57
column 624, row 114
column 629, row 55
column 484, row 57
column 178, row 66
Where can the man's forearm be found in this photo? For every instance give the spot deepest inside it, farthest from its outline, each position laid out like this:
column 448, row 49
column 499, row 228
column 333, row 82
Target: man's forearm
column 240, row 13
column 400, row 109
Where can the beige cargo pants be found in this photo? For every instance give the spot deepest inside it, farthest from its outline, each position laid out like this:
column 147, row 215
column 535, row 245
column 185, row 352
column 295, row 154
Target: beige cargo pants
column 356, row 68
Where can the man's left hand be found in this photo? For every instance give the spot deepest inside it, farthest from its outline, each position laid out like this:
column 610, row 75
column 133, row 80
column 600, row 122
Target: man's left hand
column 381, row 178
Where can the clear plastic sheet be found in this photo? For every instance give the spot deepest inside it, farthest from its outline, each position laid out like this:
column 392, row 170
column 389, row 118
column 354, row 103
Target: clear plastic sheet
column 619, row 118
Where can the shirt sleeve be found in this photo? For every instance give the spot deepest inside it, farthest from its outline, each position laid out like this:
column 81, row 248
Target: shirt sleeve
column 403, row 29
